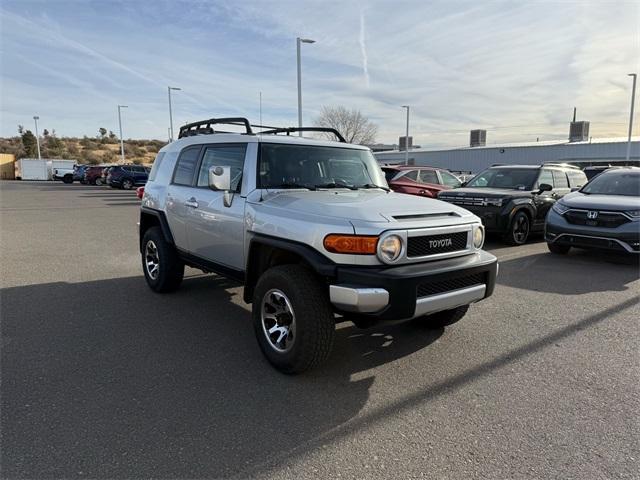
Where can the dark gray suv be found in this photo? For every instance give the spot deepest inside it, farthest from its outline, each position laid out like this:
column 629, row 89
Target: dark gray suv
column 604, row 214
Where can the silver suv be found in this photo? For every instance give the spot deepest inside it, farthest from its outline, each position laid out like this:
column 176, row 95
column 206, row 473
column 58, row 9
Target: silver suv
column 313, row 232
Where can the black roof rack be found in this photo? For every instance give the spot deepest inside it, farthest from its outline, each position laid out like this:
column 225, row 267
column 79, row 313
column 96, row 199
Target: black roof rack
column 204, row 126
column 289, row 130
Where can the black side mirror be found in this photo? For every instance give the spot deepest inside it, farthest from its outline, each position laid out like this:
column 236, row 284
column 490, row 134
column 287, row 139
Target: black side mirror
column 575, row 189
column 545, row 187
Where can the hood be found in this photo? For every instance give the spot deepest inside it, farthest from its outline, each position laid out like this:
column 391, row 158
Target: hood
column 485, row 192
column 361, row 205
column 601, row 202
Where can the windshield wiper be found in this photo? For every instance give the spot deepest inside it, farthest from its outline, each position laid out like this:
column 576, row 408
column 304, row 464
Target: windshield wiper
column 294, row 185
column 373, row 185
column 337, row 185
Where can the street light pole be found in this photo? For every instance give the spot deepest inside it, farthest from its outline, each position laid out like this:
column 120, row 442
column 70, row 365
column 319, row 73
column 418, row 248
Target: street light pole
column 298, row 42
column 171, row 113
column 406, row 138
column 633, row 97
column 36, row 118
column 120, row 125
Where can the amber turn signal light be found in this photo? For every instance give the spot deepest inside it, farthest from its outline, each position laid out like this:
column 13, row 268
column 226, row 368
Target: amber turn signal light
column 353, row 244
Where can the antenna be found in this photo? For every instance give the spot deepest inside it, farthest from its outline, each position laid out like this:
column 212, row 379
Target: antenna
column 260, row 114
column 574, row 114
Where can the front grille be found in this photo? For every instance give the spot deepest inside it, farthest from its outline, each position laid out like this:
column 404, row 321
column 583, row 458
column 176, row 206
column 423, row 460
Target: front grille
column 450, row 284
column 433, row 244
column 477, row 201
column 604, row 219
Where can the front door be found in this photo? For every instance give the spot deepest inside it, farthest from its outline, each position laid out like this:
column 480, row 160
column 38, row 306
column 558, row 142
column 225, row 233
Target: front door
column 543, row 200
column 216, row 232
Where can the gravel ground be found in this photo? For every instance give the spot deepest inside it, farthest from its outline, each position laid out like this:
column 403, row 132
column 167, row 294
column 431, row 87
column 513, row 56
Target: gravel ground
column 103, row 378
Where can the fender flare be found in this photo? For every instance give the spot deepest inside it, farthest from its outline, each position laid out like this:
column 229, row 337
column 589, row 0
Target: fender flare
column 255, row 265
column 159, row 218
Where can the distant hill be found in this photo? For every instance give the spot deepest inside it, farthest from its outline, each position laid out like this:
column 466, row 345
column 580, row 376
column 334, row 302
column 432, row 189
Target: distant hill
column 87, row 150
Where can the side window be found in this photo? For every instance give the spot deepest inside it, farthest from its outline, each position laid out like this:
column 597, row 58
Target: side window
column 156, row 166
column 545, row 177
column 577, row 179
column 186, row 166
column 428, row 176
column 449, row 179
column 223, row 156
column 560, row 179
column 411, row 175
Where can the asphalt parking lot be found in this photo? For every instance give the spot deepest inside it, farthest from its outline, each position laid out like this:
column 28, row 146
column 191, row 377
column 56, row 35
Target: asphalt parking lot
column 103, row 378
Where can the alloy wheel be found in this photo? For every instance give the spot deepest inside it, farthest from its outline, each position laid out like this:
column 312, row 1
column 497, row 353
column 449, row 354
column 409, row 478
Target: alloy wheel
column 152, row 260
column 521, row 229
column 278, row 321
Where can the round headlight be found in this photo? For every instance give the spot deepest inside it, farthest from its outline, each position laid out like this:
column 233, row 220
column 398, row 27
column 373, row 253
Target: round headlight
column 389, row 248
column 478, row 237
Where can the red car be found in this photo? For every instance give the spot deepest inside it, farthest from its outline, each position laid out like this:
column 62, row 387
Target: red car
column 422, row 181
column 93, row 175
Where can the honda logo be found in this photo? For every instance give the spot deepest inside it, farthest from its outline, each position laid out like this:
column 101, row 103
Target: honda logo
column 592, row 214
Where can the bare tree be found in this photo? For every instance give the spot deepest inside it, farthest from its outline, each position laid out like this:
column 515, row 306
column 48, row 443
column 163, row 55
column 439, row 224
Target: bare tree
column 352, row 124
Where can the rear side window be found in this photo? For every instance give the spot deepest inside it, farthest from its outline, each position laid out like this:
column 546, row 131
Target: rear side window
column 545, row 177
column 186, row 166
column 223, row 156
column 560, row 179
column 156, row 166
column 449, row 179
column 428, row 176
column 412, row 175
column 576, row 179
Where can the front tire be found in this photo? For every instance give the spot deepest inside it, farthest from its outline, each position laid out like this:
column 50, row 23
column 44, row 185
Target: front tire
column 292, row 318
column 519, row 229
column 559, row 249
column 98, row 182
column 447, row 317
column 67, row 179
column 163, row 269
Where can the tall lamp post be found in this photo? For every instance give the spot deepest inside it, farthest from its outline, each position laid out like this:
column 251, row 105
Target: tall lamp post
column 35, row 119
column 120, row 125
column 171, row 113
column 406, row 138
column 298, row 42
column 633, row 97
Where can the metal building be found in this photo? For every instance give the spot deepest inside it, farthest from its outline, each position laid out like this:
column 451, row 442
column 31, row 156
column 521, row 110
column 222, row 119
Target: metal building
column 474, row 159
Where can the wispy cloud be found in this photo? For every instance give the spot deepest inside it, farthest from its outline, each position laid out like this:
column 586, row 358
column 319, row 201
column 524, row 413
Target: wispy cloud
column 516, row 68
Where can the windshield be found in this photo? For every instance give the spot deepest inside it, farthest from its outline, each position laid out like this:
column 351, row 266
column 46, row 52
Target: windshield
column 512, row 178
column 620, row 182
column 308, row 166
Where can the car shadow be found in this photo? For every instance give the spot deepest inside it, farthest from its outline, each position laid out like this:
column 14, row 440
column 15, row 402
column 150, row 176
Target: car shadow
column 578, row 272
column 107, row 379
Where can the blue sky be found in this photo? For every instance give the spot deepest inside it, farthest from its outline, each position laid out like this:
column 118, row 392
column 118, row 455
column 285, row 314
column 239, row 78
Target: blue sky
column 515, row 68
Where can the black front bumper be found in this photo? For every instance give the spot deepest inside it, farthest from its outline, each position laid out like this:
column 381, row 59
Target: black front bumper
column 406, row 281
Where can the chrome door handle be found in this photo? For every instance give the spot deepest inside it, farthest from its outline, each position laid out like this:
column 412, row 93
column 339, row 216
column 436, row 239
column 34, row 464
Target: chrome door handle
column 191, row 203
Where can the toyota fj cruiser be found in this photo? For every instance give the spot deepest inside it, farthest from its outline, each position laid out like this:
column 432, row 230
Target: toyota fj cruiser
column 313, row 232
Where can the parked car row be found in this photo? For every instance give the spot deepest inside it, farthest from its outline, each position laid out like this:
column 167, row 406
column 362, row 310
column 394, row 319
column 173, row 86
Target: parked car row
column 116, row 176
column 515, row 201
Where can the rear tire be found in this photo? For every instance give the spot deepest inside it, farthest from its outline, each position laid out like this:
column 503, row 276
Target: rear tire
column 292, row 318
column 519, row 229
column 559, row 249
column 97, row 181
column 127, row 184
column 161, row 265
column 447, row 317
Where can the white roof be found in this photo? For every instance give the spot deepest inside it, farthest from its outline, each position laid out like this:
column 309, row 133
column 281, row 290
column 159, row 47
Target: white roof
column 518, row 145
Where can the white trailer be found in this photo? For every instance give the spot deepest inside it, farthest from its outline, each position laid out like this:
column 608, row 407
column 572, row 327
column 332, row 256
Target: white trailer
column 31, row 169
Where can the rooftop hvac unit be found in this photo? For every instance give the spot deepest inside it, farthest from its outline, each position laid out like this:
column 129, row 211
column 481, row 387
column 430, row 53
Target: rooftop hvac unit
column 403, row 143
column 478, row 138
column 578, row 131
